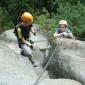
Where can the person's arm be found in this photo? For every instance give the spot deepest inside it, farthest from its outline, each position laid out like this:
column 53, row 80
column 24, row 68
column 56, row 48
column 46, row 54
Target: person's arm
column 33, row 31
column 70, row 35
column 57, row 34
column 27, row 43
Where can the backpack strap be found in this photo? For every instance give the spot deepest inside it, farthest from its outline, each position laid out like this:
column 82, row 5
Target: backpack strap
column 19, row 32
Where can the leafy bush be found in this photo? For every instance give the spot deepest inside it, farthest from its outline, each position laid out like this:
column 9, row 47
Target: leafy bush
column 46, row 24
column 5, row 21
column 47, row 13
column 75, row 16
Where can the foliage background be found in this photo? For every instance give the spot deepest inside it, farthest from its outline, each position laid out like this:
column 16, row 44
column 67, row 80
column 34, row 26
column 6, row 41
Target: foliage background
column 47, row 14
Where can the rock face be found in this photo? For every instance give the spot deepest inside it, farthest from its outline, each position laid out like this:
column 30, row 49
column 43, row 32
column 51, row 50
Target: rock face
column 17, row 70
column 59, row 82
column 14, row 68
column 69, row 59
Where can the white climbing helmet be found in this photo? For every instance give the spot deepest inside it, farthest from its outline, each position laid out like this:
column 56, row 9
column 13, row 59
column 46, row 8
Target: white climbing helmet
column 63, row 22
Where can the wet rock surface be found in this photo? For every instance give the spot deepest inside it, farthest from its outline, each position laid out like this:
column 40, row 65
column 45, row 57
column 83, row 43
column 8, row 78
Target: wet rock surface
column 69, row 60
column 17, row 70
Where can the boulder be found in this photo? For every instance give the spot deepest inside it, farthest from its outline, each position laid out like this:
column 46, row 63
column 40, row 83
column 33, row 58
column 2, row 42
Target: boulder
column 59, row 82
column 69, row 59
column 16, row 69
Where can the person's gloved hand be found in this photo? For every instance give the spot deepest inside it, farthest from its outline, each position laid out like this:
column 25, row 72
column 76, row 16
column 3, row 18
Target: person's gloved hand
column 31, row 46
column 35, row 33
column 65, row 34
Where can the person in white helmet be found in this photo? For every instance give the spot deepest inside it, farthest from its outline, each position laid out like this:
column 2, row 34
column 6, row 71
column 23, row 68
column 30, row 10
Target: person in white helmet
column 63, row 30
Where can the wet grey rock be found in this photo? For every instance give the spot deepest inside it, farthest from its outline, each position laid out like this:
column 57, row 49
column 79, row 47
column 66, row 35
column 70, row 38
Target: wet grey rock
column 13, row 67
column 59, row 82
column 17, row 70
column 69, row 59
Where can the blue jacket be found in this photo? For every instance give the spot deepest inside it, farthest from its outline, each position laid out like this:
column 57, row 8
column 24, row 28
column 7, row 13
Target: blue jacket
column 66, row 30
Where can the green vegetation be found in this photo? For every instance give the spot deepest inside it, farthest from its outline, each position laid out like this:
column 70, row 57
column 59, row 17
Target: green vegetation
column 47, row 14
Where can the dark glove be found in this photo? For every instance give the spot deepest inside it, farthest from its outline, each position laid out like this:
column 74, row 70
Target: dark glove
column 35, row 33
column 31, row 46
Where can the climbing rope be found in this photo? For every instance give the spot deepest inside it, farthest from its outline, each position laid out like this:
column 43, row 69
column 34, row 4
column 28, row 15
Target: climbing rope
column 38, row 79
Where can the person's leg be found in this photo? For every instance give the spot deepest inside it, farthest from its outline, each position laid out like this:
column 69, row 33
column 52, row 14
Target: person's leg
column 27, row 51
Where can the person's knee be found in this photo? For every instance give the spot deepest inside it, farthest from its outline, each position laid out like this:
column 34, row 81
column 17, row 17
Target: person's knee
column 27, row 51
